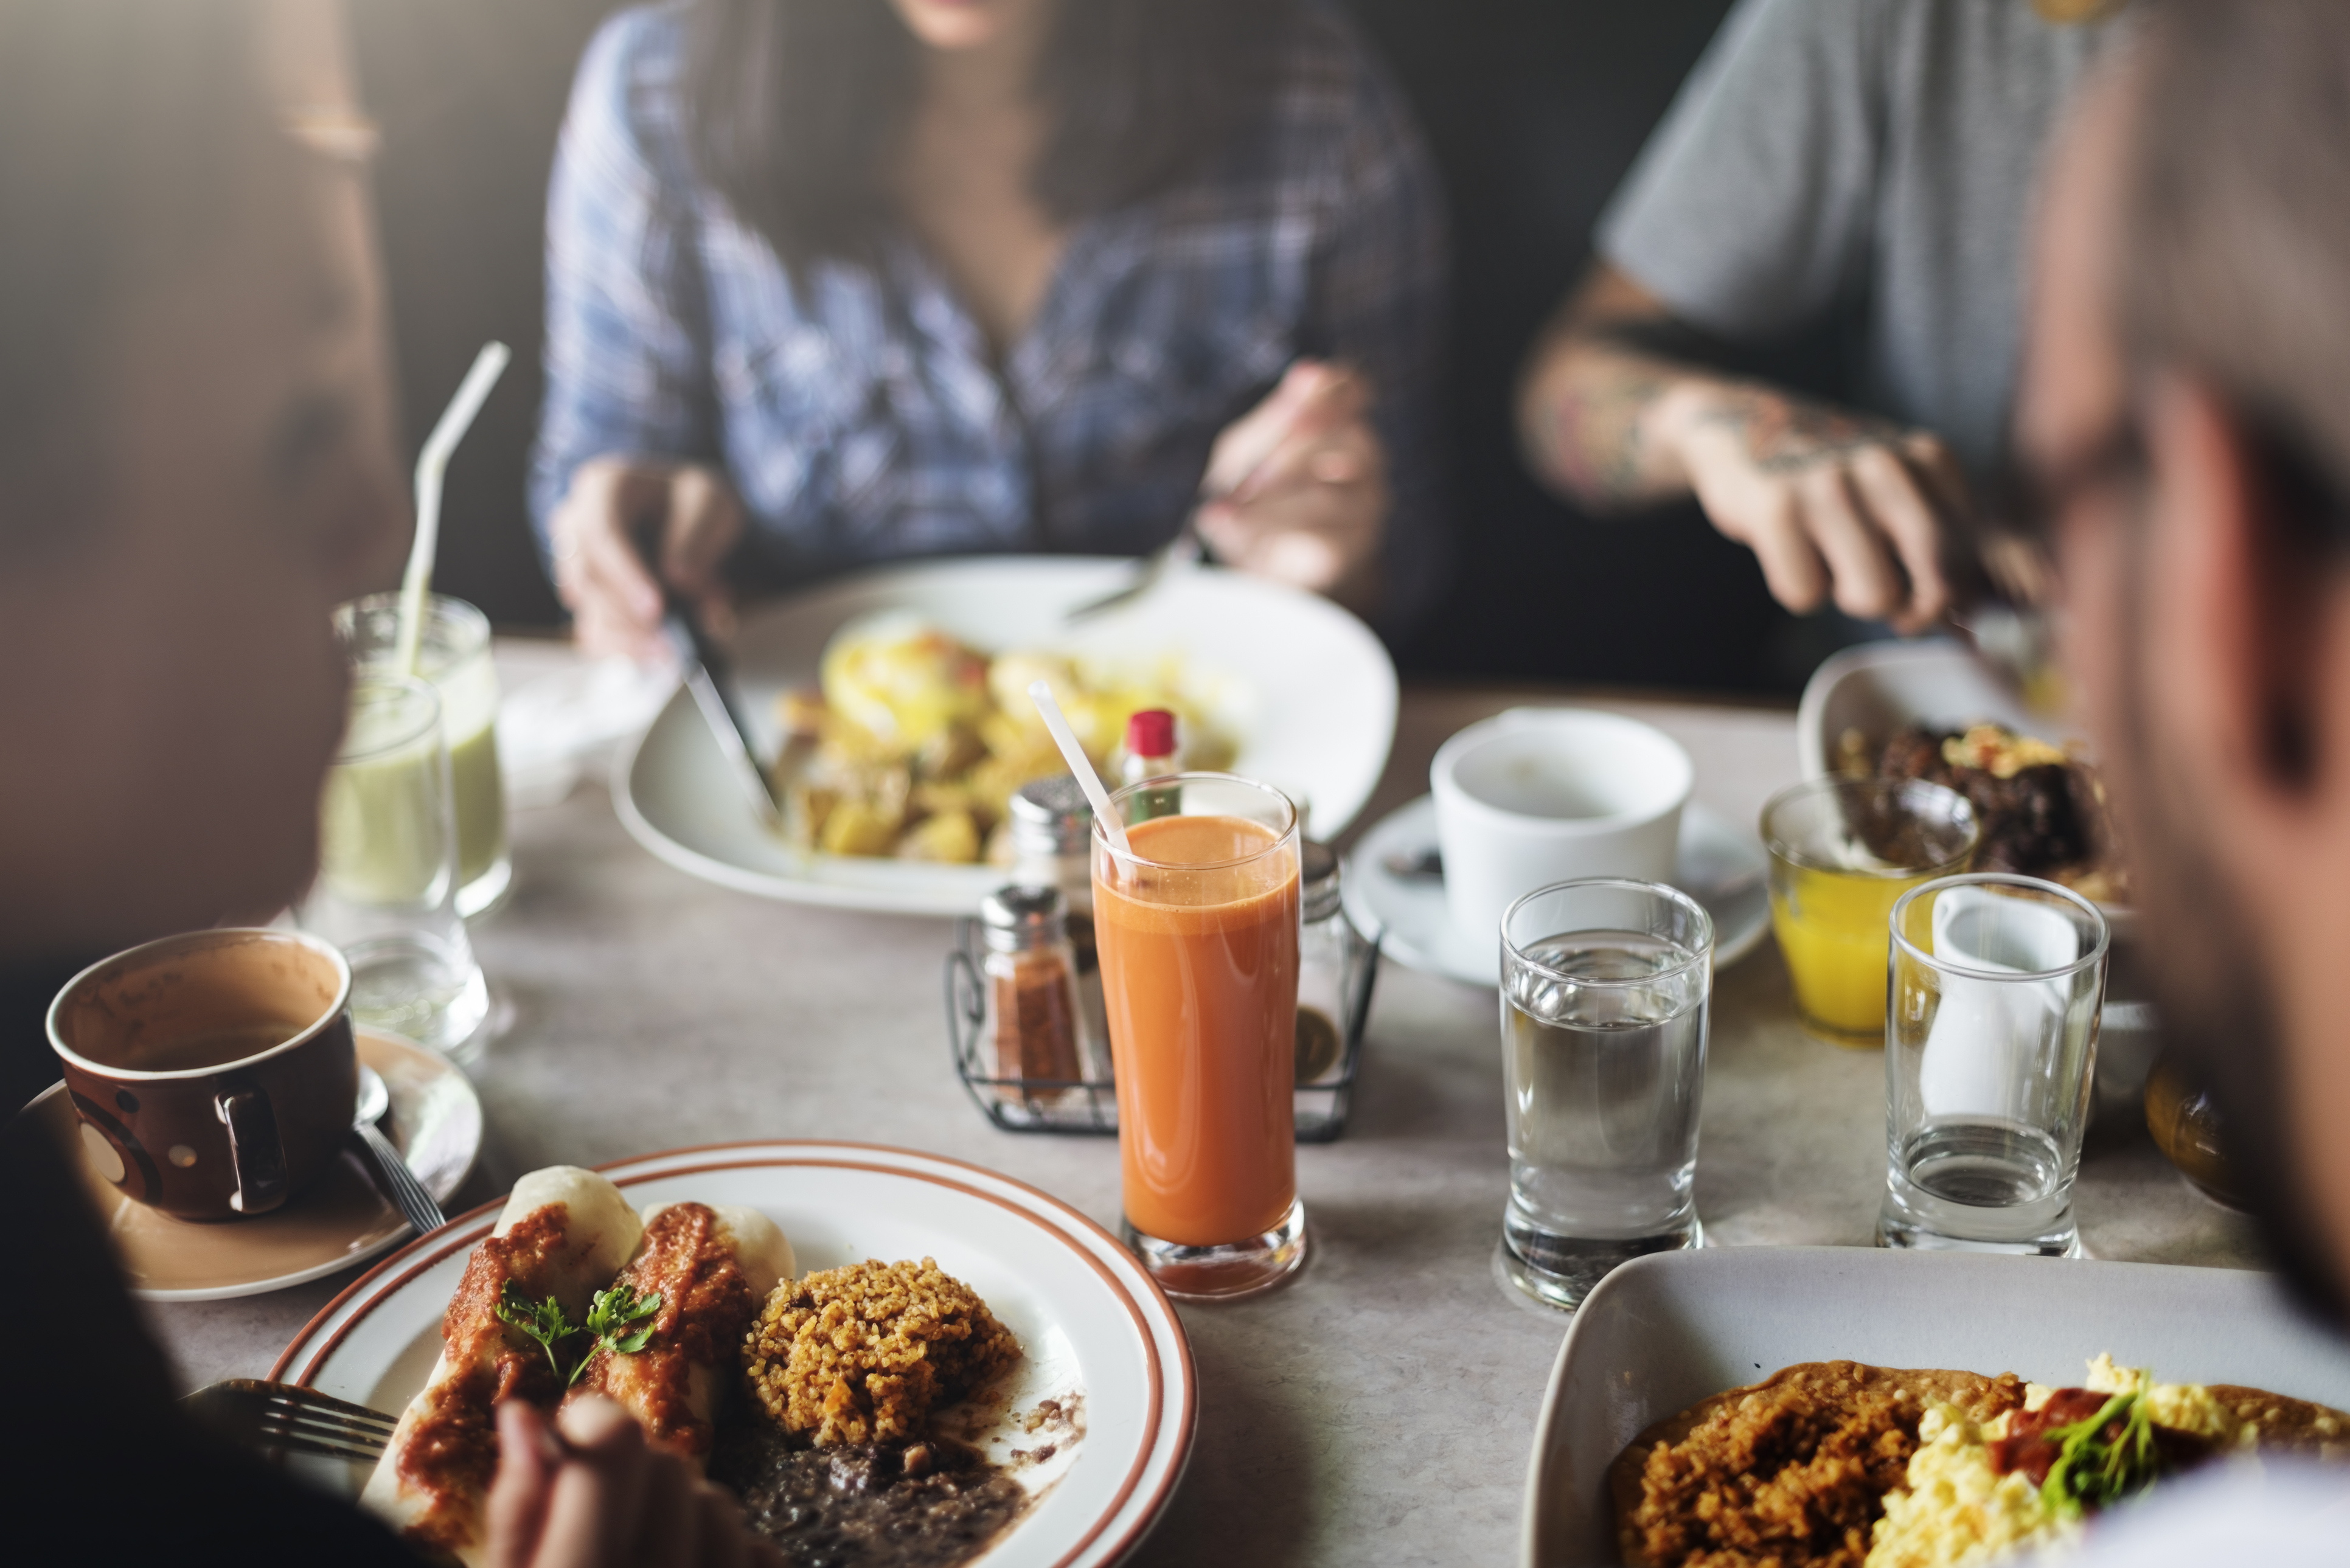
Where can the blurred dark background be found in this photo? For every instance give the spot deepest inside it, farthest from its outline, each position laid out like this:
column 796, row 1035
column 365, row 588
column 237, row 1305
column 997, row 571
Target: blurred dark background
column 1534, row 107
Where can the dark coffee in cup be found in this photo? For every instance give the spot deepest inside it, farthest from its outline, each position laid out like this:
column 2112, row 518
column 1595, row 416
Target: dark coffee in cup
column 214, row 1073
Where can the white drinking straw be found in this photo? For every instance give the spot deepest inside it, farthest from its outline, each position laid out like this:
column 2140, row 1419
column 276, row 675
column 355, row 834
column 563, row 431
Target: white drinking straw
column 432, row 465
column 1041, row 694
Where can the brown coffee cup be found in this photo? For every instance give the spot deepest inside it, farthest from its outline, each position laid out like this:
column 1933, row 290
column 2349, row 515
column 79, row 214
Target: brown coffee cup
column 214, row 1073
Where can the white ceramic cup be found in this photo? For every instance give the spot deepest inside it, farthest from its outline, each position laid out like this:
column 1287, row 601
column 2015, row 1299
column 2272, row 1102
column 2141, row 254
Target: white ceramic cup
column 1538, row 796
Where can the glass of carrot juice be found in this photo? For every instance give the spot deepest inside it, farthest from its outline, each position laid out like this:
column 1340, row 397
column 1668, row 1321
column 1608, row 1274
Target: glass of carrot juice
column 1198, row 931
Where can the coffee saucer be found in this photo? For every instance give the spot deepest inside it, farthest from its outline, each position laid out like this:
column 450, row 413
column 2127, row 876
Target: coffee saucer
column 1394, row 890
column 340, row 1220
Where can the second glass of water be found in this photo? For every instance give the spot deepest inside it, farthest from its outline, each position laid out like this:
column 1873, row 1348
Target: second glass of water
column 1989, row 1048
column 1604, row 987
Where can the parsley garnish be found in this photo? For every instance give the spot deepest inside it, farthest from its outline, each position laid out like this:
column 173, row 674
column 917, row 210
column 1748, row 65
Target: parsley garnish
column 2093, row 1467
column 613, row 1312
column 543, row 1321
column 609, row 1319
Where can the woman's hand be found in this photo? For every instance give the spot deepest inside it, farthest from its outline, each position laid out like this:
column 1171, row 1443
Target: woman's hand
column 1298, row 486
column 617, row 512
column 1831, row 505
column 596, row 1497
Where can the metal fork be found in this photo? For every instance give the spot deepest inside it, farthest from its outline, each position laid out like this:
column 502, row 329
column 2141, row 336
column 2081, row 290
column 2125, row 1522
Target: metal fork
column 1183, row 549
column 287, row 1418
column 1187, row 546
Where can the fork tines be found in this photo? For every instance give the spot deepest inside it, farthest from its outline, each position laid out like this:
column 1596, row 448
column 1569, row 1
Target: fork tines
column 287, row 1418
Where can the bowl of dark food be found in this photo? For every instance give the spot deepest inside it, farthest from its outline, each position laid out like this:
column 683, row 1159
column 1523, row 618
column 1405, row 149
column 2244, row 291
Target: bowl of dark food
column 1935, row 711
column 893, row 1360
column 1931, row 710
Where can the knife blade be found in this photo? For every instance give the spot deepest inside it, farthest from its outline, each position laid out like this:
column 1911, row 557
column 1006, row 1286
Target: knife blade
column 710, row 676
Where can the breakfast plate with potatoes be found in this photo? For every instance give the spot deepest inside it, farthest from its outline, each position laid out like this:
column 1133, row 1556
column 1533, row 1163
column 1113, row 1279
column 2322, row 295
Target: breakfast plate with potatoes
column 903, row 1358
column 890, row 711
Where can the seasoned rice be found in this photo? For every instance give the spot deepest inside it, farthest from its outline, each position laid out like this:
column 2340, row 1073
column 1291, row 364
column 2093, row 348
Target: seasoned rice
column 863, row 1354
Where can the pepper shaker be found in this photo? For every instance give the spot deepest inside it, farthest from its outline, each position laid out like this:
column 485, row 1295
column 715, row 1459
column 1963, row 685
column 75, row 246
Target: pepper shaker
column 1052, row 845
column 1333, row 965
column 1033, row 1030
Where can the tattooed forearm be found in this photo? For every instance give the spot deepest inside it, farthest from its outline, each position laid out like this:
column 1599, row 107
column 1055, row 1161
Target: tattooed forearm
column 1784, row 436
column 1589, row 440
column 1605, row 360
column 1597, row 427
column 1621, row 392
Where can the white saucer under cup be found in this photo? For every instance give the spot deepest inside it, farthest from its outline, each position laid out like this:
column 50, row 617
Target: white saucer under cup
column 1537, row 795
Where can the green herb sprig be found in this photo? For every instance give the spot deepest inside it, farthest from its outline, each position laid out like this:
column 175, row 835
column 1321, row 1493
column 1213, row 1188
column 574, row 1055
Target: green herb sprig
column 543, row 1321
column 2093, row 1468
column 612, row 1319
column 612, row 1313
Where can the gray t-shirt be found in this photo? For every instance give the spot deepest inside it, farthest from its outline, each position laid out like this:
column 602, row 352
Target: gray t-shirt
column 1872, row 161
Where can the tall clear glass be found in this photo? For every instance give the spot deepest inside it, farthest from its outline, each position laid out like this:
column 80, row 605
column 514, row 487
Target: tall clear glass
column 454, row 656
column 1842, row 850
column 1198, row 930
column 1997, row 984
column 386, row 892
column 1605, row 990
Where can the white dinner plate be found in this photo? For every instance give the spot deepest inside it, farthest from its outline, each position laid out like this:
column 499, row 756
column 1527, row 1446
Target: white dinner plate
column 1305, row 688
column 1664, row 1331
column 1721, row 867
column 1090, row 1322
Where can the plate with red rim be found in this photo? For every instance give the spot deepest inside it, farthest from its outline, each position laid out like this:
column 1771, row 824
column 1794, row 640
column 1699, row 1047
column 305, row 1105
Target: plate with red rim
column 1090, row 1322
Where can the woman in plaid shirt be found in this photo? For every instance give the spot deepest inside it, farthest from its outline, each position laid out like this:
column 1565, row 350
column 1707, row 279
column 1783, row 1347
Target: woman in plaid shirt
column 835, row 282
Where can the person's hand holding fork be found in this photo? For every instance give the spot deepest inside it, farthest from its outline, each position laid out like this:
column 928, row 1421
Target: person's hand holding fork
column 1296, row 488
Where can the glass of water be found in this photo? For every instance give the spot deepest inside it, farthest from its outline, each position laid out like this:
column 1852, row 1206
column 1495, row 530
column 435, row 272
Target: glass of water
column 1991, row 1046
column 1605, row 985
column 388, row 876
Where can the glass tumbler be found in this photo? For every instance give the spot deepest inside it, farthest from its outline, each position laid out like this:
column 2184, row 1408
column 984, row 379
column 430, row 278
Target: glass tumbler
column 1605, row 988
column 1198, row 928
column 1842, row 850
column 454, row 656
column 1997, row 982
column 386, row 892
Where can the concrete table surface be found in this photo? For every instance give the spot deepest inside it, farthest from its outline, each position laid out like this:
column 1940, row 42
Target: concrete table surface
column 1382, row 1407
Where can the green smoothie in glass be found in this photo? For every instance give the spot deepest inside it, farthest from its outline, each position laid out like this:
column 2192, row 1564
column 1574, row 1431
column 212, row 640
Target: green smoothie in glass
column 382, row 828
column 454, row 657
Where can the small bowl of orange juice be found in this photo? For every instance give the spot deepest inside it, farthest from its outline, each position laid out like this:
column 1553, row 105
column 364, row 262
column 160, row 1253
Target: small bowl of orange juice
column 1843, row 850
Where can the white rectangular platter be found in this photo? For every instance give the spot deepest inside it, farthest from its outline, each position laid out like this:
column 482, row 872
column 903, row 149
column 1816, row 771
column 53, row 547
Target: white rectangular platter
column 1664, row 1331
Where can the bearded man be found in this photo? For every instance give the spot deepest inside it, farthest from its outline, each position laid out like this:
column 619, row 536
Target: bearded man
column 2184, row 422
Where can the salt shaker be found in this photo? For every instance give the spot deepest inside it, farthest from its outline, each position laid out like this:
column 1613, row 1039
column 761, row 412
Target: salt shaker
column 1052, row 838
column 1033, row 1030
column 1052, row 844
column 1332, row 964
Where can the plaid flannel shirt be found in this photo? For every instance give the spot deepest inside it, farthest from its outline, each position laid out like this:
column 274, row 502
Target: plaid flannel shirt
column 858, row 410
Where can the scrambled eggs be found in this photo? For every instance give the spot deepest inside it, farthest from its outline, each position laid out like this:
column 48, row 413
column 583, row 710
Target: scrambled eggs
column 1958, row 1509
column 914, row 744
column 2000, row 751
